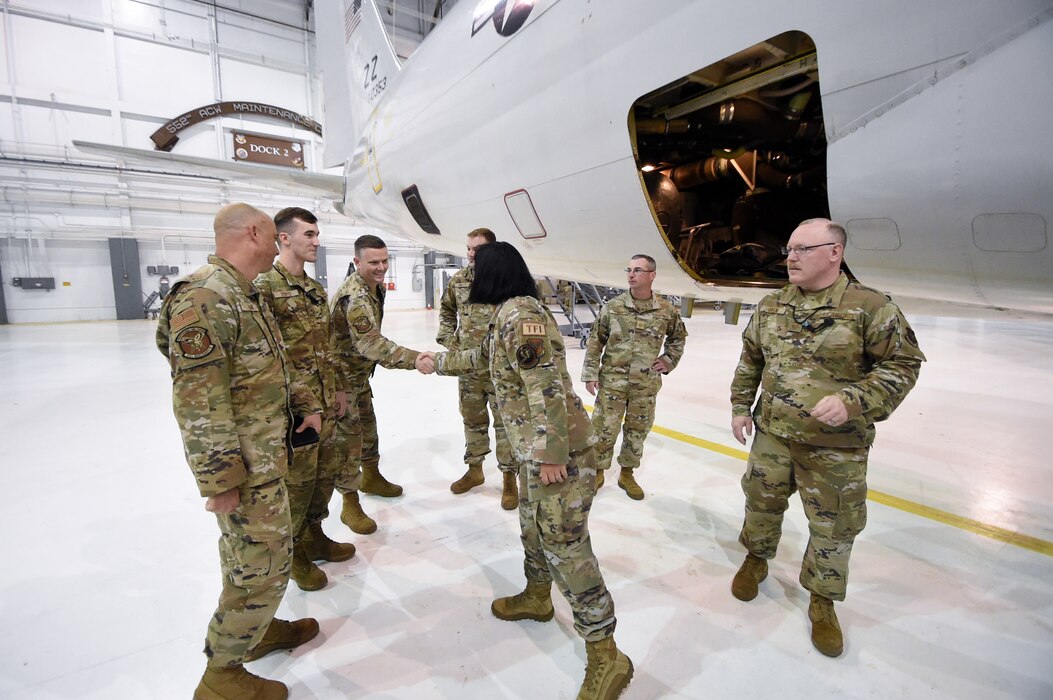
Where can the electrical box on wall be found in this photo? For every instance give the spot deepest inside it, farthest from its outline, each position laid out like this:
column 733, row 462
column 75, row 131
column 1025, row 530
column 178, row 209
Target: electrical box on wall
column 34, row 282
column 161, row 270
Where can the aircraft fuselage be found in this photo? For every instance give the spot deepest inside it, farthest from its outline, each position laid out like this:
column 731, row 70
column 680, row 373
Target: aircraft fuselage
column 937, row 140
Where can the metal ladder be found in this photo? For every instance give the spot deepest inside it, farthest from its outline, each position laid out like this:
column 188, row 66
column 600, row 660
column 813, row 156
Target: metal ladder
column 594, row 297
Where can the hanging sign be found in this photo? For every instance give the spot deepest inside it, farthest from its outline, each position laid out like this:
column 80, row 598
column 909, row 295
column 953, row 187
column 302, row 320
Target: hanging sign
column 266, row 149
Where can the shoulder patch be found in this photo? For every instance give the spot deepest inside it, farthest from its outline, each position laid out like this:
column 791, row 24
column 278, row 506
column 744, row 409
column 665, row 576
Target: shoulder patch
column 194, row 343
column 184, row 318
column 529, row 354
column 911, row 338
column 526, row 356
column 528, row 328
column 362, row 324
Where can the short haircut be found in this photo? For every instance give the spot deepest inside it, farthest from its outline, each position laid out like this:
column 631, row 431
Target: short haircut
column 368, row 241
column 500, row 274
column 283, row 220
column 648, row 258
column 235, row 218
column 832, row 227
column 483, row 233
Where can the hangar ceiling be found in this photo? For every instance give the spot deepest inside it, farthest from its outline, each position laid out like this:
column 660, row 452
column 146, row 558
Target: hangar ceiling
column 408, row 21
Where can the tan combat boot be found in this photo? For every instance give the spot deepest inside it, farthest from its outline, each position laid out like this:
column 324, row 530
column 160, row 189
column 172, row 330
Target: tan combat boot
column 319, row 547
column 510, row 491
column 354, row 517
column 238, row 684
column 608, row 671
column 826, row 630
column 627, row 482
column 534, row 603
column 284, row 635
column 472, row 478
column 599, row 478
column 373, row 482
column 305, row 572
column 750, row 574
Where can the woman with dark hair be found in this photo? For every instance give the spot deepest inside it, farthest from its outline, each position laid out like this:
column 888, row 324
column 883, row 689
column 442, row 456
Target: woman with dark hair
column 551, row 439
column 502, row 275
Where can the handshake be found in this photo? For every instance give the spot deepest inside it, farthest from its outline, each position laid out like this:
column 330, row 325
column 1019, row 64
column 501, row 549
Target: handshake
column 455, row 362
column 425, row 362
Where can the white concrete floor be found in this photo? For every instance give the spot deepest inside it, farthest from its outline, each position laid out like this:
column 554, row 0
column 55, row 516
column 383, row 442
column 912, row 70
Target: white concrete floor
column 113, row 573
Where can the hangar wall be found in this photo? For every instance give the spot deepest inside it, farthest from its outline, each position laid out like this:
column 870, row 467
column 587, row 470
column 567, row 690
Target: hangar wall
column 114, row 71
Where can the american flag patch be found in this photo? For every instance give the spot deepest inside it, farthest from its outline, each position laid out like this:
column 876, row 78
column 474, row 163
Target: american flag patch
column 352, row 17
column 184, row 318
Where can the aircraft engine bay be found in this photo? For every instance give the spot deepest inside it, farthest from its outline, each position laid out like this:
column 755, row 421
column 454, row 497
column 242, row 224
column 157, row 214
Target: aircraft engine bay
column 732, row 157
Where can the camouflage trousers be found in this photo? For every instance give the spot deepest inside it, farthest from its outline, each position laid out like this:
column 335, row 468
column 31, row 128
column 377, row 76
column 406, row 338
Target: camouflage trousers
column 475, row 393
column 637, row 408
column 370, row 440
column 255, row 548
column 557, row 547
column 312, row 476
column 345, row 474
column 832, row 483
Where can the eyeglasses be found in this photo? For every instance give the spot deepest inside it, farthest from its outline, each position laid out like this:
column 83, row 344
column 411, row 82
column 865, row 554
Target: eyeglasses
column 637, row 270
column 802, row 249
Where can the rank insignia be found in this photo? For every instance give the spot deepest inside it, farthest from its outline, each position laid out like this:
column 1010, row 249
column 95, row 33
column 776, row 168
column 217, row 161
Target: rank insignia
column 362, row 324
column 194, row 343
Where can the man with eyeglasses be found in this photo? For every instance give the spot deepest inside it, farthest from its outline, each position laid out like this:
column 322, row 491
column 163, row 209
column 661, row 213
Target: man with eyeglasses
column 629, row 334
column 831, row 358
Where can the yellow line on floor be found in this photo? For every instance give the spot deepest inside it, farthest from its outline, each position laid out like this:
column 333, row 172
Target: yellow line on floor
column 704, row 444
column 1001, row 534
column 994, row 532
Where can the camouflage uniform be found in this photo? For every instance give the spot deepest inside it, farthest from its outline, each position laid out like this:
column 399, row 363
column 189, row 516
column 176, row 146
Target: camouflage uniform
column 464, row 325
column 630, row 333
column 231, row 388
column 300, row 306
column 847, row 340
column 546, row 424
column 357, row 313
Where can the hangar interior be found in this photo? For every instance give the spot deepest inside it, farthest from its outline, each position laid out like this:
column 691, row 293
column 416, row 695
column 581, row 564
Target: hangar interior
column 112, row 567
column 125, row 69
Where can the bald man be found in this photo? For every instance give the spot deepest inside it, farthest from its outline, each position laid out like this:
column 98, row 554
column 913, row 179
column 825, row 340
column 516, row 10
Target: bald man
column 233, row 391
column 830, row 358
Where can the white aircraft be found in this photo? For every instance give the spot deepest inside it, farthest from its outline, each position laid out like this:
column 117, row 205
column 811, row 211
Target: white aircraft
column 701, row 133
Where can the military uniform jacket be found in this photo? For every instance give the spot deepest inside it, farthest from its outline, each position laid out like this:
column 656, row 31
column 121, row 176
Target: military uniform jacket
column 231, row 381
column 847, row 340
column 357, row 313
column 301, row 307
column 630, row 333
column 462, row 326
column 545, row 419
